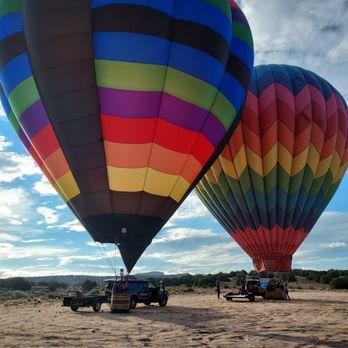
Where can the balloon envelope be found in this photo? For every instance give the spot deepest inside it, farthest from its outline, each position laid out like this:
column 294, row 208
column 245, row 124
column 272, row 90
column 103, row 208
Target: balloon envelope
column 124, row 104
column 282, row 165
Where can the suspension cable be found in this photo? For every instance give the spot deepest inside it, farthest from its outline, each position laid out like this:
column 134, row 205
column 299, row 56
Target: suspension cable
column 182, row 241
column 105, row 257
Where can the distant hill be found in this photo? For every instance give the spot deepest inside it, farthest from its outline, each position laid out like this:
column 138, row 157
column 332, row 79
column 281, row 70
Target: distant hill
column 72, row 280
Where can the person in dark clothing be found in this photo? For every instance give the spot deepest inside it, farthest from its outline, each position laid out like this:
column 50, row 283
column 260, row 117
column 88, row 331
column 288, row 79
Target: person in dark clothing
column 218, row 290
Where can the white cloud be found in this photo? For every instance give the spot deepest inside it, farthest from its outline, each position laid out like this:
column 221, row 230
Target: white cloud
column 13, row 165
column 66, row 260
column 32, row 241
column 182, row 233
column 334, row 245
column 15, row 205
column 48, row 270
column 4, row 144
column 207, row 258
column 44, row 187
column 50, row 215
column 192, row 208
column 302, row 33
column 6, row 237
column 107, row 256
column 327, row 244
column 9, row 251
column 2, row 112
column 73, row 225
column 60, row 207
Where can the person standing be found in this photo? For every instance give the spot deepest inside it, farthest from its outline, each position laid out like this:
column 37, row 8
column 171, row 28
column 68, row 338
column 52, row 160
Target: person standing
column 218, row 290
column 286, row 292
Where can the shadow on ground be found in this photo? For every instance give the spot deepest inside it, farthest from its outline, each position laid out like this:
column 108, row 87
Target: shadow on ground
column 185, row 316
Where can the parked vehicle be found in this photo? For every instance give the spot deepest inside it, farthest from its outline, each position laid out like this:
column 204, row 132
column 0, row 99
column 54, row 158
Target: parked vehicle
column 248, row 290
column 137, row 291
column 142, row 291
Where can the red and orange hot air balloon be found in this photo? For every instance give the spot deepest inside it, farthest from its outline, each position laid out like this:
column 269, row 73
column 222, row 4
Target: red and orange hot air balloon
column 282, row 165
column 124, row 104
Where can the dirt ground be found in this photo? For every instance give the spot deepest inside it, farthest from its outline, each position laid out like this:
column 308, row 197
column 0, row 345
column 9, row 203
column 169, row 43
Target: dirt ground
column 311, row 319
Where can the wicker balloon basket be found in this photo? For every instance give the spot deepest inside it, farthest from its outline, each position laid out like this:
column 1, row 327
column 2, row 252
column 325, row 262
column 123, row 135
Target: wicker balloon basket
column 120, row 303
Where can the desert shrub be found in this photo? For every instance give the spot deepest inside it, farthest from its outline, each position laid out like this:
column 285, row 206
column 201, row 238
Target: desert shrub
column 88, row 285
column 42, row 283
column 325, row 279
column 289, row 277
column 253, row 273
column 16, row 283
column 339, row 283
column 53, row 286
column 240, row 278
column 96, row 291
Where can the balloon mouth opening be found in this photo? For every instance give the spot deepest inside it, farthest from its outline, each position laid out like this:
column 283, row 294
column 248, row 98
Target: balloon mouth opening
column 272, row 263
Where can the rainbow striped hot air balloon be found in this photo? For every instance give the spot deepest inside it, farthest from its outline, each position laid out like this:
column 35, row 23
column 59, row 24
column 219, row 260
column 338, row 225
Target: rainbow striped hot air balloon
column 282, row 165
column 124, row 104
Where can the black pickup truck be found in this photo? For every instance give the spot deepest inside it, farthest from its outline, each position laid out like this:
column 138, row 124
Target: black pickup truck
column 142, row 291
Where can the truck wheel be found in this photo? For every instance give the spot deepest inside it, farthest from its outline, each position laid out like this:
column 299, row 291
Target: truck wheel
column 74, row 308
column 252, row 298
column 96, row 307
column 163, row 301
column 133, row 302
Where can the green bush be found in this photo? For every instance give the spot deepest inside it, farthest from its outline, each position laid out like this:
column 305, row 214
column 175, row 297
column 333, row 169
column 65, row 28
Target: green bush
column 16, row 283
column 339, row 283
column 96, row 291
column 325, row 279
column 88, row 285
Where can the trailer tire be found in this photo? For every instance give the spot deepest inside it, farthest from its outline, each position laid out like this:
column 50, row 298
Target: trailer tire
column 96, row 307
column 74, row 308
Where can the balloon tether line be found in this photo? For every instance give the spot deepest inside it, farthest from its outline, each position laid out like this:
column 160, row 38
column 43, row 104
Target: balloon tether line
column 105, row 257
column 182, row 242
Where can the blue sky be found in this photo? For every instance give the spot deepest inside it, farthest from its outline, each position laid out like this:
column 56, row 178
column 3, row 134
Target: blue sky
column 39, row 236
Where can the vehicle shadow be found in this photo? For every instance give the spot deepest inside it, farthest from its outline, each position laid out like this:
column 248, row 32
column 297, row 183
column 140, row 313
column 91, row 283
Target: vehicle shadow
column 194, row 318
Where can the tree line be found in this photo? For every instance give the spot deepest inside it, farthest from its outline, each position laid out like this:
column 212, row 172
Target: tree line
column 337, row 279
column 21, row 284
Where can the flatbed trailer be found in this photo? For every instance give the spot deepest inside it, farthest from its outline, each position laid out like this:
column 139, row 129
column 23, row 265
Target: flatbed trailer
column 231, row 297
column 75, row 302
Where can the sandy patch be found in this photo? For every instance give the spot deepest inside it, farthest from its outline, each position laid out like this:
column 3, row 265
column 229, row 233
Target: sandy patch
column 317, row 318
